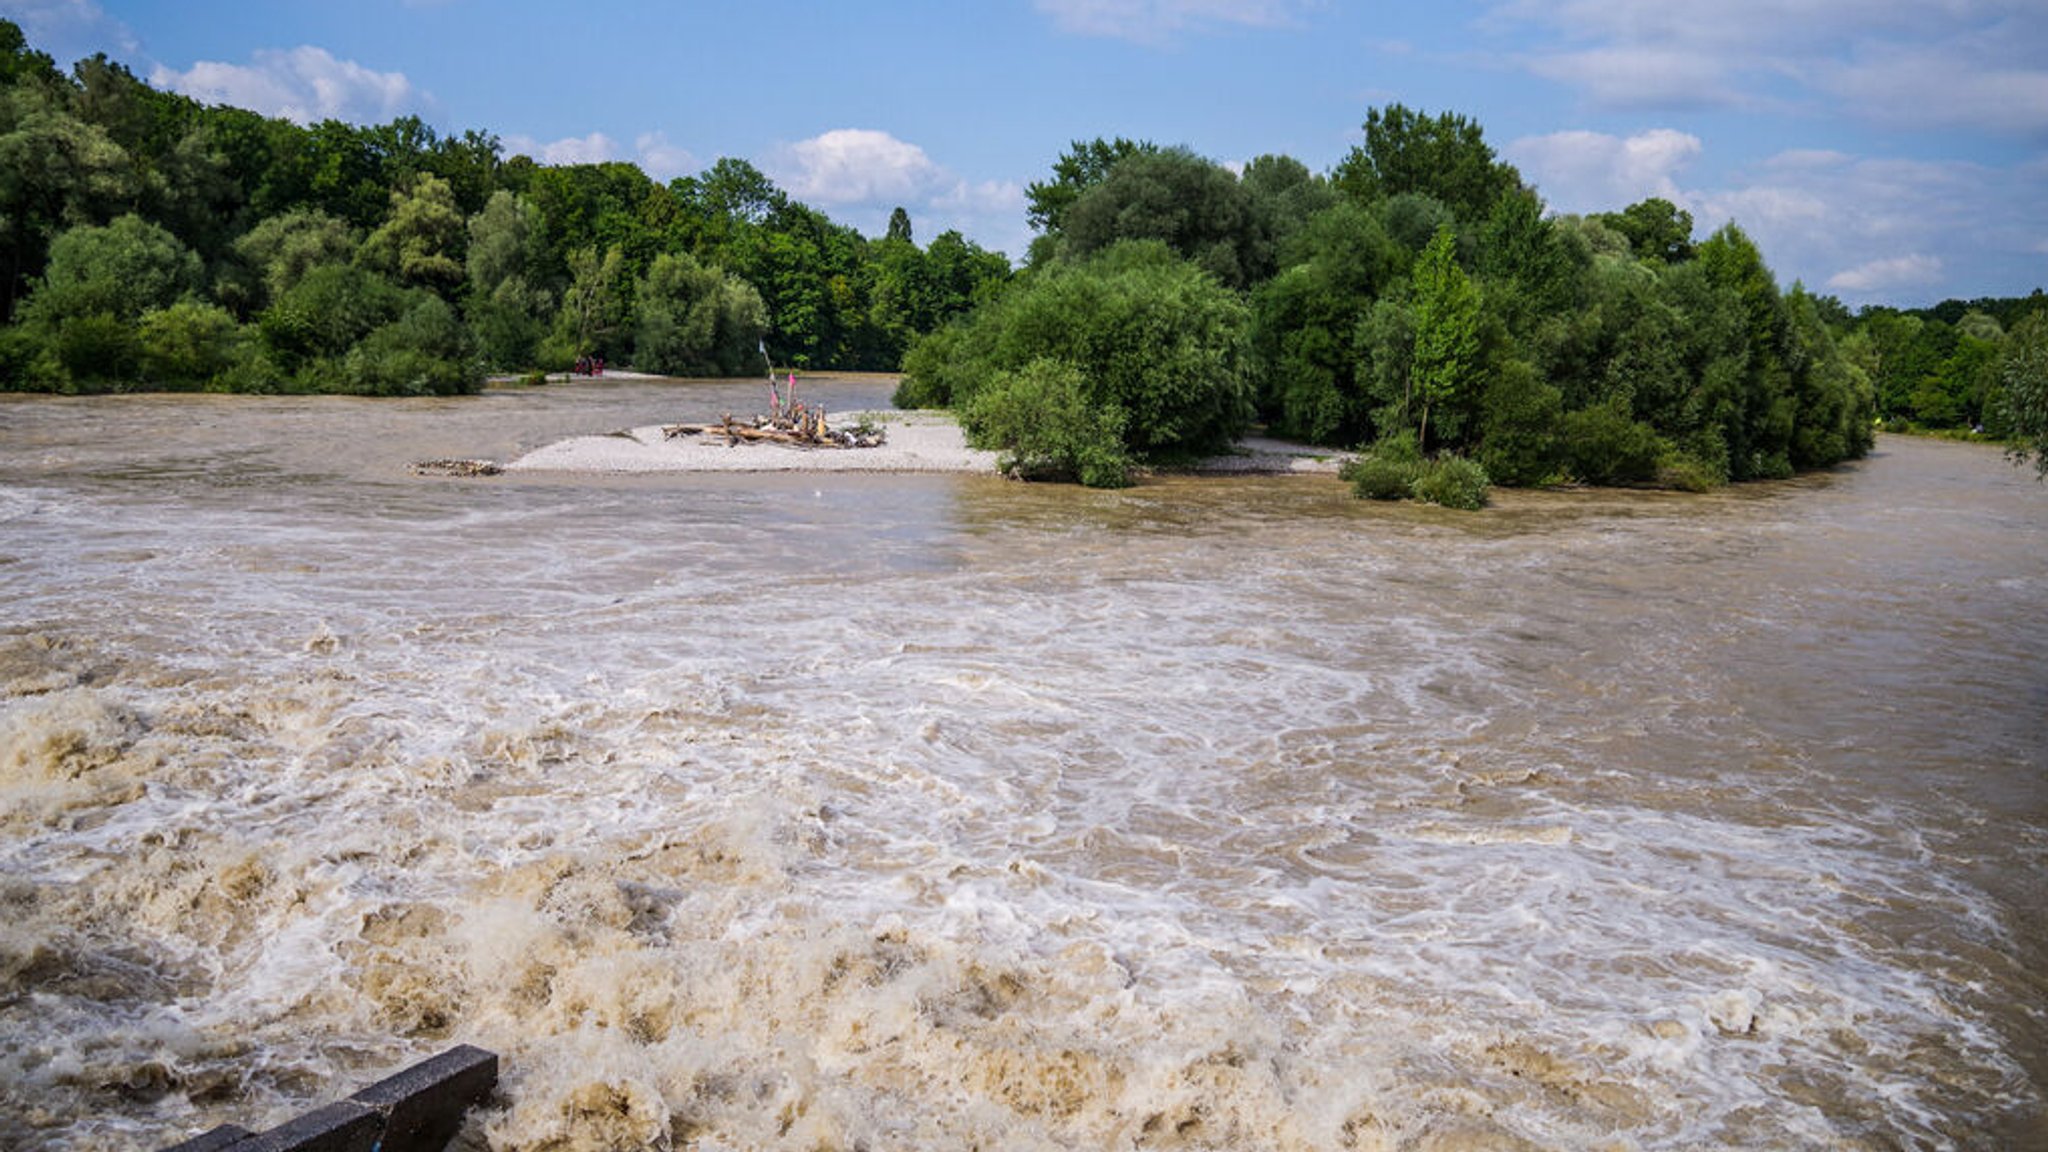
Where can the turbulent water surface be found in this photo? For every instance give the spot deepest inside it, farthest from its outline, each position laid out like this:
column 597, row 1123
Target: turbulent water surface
column 940, row 812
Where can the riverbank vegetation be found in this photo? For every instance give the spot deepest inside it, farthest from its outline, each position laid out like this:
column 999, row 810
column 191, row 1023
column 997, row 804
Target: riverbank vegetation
column 1420, row 303
column 1169, row 304
column 148, row 241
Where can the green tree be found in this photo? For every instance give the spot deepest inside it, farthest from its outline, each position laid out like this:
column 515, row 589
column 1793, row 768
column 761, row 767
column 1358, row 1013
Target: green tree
column 1446, row 364
column 595, row 309
column 1758, row 423
column 56, row 172
column 1045, row 425
column 1518, row 432
column 190, row 345
column 696, row 320
column 121, row 270
column 314, row 324
column 271, row 258
column 1833, row 397
column 1285, row 196
column 425, row 351
column 1656, row 230
column 2024, row 374
column 1305, row 322
column 421, row 243
column 1079, row 168
column 1150, row 334
column 507, row 306
column 1445, row 156
column 1192, row 205
column 899, row 226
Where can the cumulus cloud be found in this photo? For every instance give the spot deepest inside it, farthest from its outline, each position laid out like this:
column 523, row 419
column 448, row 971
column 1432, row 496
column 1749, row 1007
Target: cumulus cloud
column 303, row 84
column 1942, row 87
column 1979, row 64
column 1640, row 76
column 662, row 160
column 595, row 148
column 652, row 151
column 1890, row 274
column 1155, row 21
column 1874, row 230
column 860, row 175
column 853, row 165
column 69, row 29
column 1595, row 172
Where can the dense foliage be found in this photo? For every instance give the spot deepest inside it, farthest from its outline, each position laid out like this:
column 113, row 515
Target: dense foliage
column 149, row 241
column 1159, row 346
column 1420, row 293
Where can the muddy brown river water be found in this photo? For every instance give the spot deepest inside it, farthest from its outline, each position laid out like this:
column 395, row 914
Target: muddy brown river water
column 942, row 812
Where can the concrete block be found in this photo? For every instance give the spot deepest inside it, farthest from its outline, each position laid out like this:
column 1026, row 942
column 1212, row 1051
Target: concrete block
column 213, row 1140
column 343, row 1126
column 422, row 1106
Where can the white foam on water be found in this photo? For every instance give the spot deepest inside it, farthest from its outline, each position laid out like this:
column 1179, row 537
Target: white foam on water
column 978, row 814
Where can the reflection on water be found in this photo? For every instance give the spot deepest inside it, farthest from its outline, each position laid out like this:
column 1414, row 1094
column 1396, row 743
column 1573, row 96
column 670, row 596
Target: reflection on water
column 935, row 811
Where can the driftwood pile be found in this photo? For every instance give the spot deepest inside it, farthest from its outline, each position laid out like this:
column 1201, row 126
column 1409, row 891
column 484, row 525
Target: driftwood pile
column 799, row 426
column 789, row 421
column 456, row 468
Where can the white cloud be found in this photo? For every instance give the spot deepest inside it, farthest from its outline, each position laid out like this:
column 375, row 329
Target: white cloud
column 69, row 30
column 1156, row 21
column 662, row 160
column 1888, row 274
column 652, row 151
column 1875, row 230
column 303, row 84
column 1640, row 76
column 1596, row 172
column 1974, row 64
column 991, row 213
column 596, row 148
column 854, row 165
column 1942, row 87
column 859, row 175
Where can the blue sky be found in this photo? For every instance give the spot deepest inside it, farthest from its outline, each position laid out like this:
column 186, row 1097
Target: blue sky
column 1885, row 151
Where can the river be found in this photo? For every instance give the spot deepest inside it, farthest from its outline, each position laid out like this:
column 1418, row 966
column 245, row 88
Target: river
column 943, row 812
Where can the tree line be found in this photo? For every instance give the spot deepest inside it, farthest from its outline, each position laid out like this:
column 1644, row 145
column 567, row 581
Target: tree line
column 1419, row 299
column 151, row 241
column 1416, row 296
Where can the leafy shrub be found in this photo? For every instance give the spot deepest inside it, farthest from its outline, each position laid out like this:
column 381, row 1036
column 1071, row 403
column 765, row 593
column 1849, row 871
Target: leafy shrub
column 1375, row 479
column 1148, row 333
column 1042, row 422
column 1602, row 445
column 1518, row 432
column 1452, row 481
column 426, row 352
column 98, row 352
column 933, row 368
column 1388, row 471
column 1394, row 469
column 189, row 345
column 1687, row 473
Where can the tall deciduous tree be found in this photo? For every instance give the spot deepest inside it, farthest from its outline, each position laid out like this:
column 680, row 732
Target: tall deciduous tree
column 1445, row 156
column 507, row 304
column 121, row 270
column 1192, row 205
column 2024, row 374
column 421, row 243
column 696, row 320
column 1656, row 230
column 1079, row 168
column 1446, row 361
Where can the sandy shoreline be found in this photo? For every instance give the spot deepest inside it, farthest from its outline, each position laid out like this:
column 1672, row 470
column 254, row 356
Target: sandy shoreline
column 920, row 441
